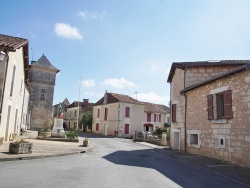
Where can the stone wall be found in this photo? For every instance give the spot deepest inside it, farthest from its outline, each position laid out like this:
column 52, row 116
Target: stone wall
column 235, row 132
column 176, row 86
column 195, row 75
column 41, row 116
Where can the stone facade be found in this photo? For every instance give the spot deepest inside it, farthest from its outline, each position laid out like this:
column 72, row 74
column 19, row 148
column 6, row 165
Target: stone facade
column 228, row 139
column 218, row 138
column 42, row 78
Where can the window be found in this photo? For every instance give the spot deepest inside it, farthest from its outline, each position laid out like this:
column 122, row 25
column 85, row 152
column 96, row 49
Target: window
column 75, row 113
column 127, row 112
column 42, row 95
column 221, row 141
column 157, row 117
column 126, row 129
column 148, row 117
column 106, row 114
column 21, row 88
column 97, row 127
column 220, row 105
column 75, row 125
column 173, row 112
column 98, row 113
column 13, row 80
column 194, row 138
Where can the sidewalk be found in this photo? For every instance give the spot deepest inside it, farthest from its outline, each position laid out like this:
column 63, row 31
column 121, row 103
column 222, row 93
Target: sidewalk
column 44, row 148
column 222, row 168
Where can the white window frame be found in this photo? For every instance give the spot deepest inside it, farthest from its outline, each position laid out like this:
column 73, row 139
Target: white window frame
column 189, row 141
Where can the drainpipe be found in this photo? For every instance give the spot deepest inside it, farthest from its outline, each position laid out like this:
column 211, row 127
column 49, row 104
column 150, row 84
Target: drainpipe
column 185, row 113
column 170, row 106
column 3, row 88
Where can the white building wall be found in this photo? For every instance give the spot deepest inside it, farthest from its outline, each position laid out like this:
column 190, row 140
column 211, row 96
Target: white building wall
column 16, row 101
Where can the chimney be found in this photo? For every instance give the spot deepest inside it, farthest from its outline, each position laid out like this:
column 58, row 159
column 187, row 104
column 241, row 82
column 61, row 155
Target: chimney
column 85, row 101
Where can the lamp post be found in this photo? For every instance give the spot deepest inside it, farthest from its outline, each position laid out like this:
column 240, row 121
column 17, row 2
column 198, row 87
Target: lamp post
column 119, row 109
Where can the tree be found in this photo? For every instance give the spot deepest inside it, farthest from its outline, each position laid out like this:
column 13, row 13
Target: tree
column 87, row 120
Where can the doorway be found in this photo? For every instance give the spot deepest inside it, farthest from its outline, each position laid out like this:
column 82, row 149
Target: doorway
column 176, row 141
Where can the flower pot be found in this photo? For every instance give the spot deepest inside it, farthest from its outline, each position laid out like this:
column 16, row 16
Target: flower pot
column 20, row 148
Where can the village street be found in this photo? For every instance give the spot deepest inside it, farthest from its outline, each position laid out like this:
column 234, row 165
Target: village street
column 113, row 162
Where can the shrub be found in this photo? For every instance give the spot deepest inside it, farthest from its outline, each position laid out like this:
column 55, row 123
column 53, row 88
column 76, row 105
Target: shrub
column 71, row 134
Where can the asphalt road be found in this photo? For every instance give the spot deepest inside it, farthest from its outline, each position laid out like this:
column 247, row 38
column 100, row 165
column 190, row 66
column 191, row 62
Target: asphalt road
column 113, row 163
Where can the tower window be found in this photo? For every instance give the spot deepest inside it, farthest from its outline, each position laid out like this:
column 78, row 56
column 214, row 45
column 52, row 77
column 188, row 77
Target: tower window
column 42, row 95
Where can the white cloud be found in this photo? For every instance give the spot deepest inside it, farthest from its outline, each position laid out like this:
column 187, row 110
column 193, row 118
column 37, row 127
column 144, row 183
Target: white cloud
column 88, row 83
column 92, row 15
column 119, row 83
column 152, row 97
column 67, row 31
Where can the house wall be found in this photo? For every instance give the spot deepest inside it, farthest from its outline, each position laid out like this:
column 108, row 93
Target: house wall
column 177, row 128
column 25, row 121
column 196, row 75
column 70, row 117
column 16, row 101
column 235, row 132
column 193, row 75
column 112, row 124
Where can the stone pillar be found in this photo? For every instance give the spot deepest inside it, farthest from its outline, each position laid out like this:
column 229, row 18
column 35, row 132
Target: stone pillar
column 164, row 139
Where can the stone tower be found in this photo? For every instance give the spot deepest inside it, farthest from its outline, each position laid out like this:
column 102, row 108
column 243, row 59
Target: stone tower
column 42, row 76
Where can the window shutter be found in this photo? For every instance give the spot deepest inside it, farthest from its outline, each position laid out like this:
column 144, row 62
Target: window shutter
column 210, row 107
column 173, row 112
column 154, row 117
column 160, row 118
column 228, row 112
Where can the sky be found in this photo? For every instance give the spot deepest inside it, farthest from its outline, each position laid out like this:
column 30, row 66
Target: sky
column 126, row 47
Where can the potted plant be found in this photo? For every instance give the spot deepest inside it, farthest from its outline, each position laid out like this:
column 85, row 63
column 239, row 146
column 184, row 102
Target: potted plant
column 20, row 147
column 85, row 142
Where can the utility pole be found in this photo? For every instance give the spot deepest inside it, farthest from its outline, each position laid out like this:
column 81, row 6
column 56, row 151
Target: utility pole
column 78, row 109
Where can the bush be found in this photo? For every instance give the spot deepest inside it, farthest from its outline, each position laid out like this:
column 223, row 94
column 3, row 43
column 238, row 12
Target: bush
column 71, row 134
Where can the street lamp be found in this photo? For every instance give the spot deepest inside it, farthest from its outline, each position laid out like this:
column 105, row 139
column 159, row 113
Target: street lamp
column 2, row 56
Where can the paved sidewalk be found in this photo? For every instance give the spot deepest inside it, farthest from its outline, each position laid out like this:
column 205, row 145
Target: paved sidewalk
column 222, row 168
column 44, row 148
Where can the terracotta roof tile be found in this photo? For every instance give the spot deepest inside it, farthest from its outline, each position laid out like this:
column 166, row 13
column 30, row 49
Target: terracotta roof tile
column 156, row 108
column 11, row 42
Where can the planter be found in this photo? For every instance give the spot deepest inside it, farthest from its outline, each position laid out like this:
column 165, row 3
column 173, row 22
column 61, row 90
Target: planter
column 20, row 148
column 85, row 143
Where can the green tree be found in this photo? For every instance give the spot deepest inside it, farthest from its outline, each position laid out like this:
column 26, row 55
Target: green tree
column 87, row 120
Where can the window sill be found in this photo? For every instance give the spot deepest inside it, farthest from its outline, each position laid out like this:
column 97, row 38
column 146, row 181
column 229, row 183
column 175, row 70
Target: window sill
column 219, row 121
column 194, row 145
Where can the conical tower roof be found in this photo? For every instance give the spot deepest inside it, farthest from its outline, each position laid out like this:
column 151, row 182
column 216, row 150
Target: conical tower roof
column 44, row 63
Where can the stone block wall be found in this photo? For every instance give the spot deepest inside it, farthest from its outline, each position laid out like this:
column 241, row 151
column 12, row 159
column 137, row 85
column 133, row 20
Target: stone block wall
column 235, row 132
column 195, row 75
column 176, row 86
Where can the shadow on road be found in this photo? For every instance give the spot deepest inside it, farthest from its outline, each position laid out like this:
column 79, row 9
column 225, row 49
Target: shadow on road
column 182, row 173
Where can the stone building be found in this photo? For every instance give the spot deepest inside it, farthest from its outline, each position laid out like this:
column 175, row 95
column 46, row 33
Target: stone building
column 42, row 78
column 210, row 109
column 74, row 112
column 60, row 108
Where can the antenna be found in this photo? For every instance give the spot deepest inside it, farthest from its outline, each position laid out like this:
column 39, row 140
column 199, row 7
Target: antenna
column 136, row 95
column 32, row 54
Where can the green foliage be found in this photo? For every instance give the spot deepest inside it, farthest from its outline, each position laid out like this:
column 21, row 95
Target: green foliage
column 71, row 134
column 166, row 125
column 87, row 120
column 43, row 132
column 160, row 130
